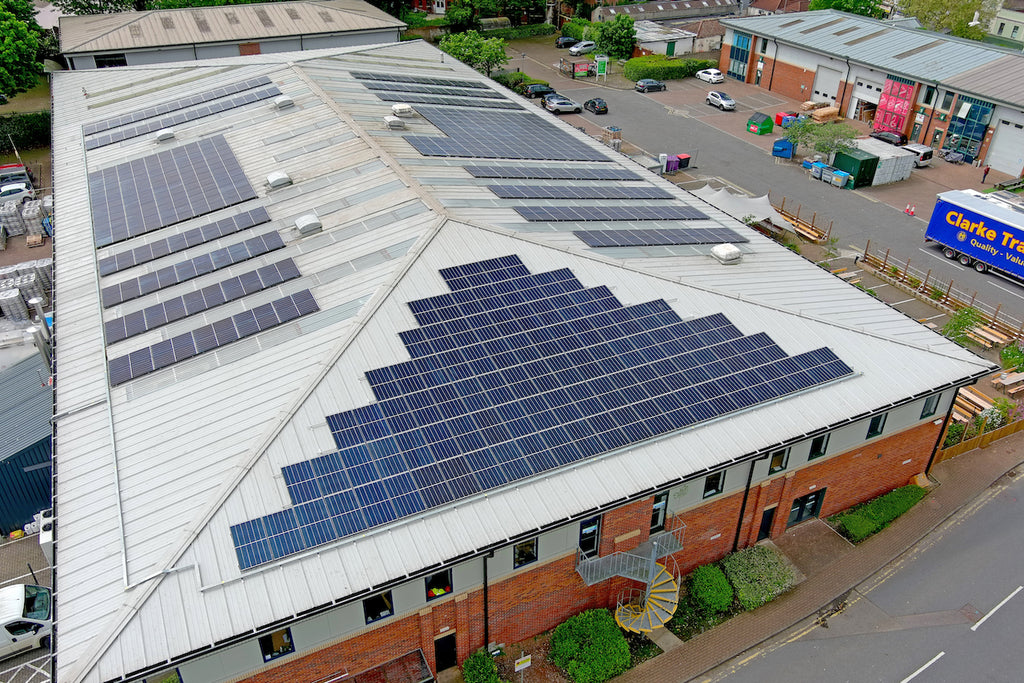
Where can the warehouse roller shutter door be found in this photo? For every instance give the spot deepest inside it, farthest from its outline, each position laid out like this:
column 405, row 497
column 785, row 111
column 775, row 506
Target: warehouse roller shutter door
column 1006, row 152
column 826, row 85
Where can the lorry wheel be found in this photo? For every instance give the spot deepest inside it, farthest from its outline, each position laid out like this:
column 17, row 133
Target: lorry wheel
column 949, row 253
column 965, row 260
column 980, row 267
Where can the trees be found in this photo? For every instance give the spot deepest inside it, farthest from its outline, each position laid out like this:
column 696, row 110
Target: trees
column 954, row 17
column 472, row 49
column 18, row 50
column 867, row 8
column 616, row 38
column 824, row 138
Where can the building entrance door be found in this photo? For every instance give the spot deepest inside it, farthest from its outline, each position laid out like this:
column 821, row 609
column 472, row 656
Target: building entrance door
column 444, row 653
column 767, row 519
column 806, row 507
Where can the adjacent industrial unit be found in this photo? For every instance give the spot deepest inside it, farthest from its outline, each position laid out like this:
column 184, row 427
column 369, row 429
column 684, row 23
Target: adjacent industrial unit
column 381, row 364
column 26, row 405
column 945, row 92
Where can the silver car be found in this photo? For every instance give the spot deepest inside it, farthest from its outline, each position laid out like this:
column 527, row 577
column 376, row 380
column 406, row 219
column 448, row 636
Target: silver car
column 711, row 76
column 717, row 98
column 563, row 105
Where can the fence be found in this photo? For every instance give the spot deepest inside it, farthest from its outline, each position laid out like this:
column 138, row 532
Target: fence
column 980, row 441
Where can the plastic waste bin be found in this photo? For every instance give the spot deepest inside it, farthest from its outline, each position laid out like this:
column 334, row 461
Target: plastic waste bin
column 684, row 161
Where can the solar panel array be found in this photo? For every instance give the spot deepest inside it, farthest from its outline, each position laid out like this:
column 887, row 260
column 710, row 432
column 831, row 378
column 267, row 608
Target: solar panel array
column 200, row 300
column 421, row 80
column 449, row 101
column 499, row 134
column 152, row 192
column 578, row 192
column 174, row 105
column 190, row 268
column 609, row 213
column 514, row 374
column 208, row 337
column 189, row 238
column 180, row 117
column 552, row 172
column 432, row 89
column 653, row 238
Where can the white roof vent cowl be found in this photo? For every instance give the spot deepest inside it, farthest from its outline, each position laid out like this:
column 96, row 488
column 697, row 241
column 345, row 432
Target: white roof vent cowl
column 727, row 254
column 307, row 224
column 283, row 102
column 278, row 179
column 394, row 123
column 165, row 134
column 402, row 110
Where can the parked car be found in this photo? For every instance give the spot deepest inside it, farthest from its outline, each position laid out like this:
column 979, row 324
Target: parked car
column 553, row 96
column 565, row 41
column 17, row 192
column 582, row 47
column 649, row 85
column 24, row 618
column 562, row 105
column 711, row 76
column 537, row 90
column 717, row 98
column 596, row 105
column 898, row 139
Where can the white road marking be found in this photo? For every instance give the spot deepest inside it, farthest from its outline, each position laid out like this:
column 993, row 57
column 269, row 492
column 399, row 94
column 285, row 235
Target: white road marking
column 930, row 662
column 1008, row 291
column 905, row 301
column 993, row 610
column 933, row 254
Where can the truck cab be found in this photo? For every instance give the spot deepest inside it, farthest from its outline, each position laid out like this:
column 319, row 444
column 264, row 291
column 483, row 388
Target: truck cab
column 24, row 618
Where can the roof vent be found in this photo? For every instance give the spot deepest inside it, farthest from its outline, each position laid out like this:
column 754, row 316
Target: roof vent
column 402, row 110
column 278, row 179
column 727, row 254
column 283, row 102
column 307, row 224
column 165, row 134
column 394, row 123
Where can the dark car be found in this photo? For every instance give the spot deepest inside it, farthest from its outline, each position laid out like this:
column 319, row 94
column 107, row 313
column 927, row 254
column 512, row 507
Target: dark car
column 565, row 41
column 898, row 139
column 648, row 85
column 537, row 90
column 596, row 105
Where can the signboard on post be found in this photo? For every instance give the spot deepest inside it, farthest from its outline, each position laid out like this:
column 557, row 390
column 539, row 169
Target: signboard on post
column 523, row 662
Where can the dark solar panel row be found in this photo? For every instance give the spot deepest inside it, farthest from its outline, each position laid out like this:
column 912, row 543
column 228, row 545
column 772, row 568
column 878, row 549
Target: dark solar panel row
column 191, row 268
column 552, row 172
column 200, row 300
column 183, row 116
column 579, row 192
column 208, row 337
column 562, row 385
column 652, row 238
column 609, row 213
column 152, row 192
column 499, row 134
column 424, row 80
column 432, row 90
column 174, row 105
column 189, row 238
column 477, row 103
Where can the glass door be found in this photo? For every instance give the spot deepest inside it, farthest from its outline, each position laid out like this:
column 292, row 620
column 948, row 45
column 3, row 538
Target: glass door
column 806, row 507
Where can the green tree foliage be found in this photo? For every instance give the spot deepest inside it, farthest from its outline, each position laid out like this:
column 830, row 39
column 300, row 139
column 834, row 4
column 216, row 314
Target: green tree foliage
column 575, row 28
column 472, row 49
column 801, row 133
column 590, row 647
column 866, row 8
column 962, row 322
column 479, row 667
column 710, row 590
column 616, row 38
column 954, row 17
column 824, row 138
column 100, row 6
column 19, row 45
column 461, row 15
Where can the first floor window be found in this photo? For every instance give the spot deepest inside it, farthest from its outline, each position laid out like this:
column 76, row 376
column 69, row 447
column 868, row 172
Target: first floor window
column 778, row 462
column 590, row 536
column 439, row 584
column 275, row 644
column 107, row 61
column 659, row 512
column 819, row 446
column 524, row 553
column 165, row 676
column 378, row 607
column 713, row 484
column 931, row 404
column 877, row 425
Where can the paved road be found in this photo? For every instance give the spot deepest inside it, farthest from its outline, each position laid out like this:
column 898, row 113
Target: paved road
column 948, row 611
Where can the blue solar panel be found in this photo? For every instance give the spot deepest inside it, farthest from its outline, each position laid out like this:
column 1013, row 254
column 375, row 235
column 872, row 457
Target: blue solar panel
column 579, row 192
column 462, row 418
column 650, row 238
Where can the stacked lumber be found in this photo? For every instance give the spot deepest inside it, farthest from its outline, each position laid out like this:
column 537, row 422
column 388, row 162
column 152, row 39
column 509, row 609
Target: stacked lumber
column 810, row 105
column 825, row 114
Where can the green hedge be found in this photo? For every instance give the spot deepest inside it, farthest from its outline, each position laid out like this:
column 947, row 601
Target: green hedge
column 710, row 590
column 873, row 516
column 664, row 68
column 29, row 131
column 758, row 574
column 590, row 647
column 575, row 28
column 528, row 31
column 479, row 667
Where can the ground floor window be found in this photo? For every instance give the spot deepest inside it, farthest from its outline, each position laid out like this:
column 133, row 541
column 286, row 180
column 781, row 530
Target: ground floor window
column 806, row 507
column 276, row 644
column 378, row 607
column 524, row 553
column 439, row 584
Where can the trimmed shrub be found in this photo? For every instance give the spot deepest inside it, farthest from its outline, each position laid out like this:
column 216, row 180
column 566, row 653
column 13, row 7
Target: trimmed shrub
column 575, row 28
column 710, row 590
column 528, row 31
column 664, row 68
column 856, row 526
column 864, row 520
column 480, row 667
column 590, row 647
column 29, row 131
column 758, row 574
column 954, row 434
column 513, row 80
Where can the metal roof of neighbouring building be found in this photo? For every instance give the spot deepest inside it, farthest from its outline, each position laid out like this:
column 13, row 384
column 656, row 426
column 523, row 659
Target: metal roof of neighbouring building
column 26, row 404
column 918, row 54
column 438, row 336
column 226, row 23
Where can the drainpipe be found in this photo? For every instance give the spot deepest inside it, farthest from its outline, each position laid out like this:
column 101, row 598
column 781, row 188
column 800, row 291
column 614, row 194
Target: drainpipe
column 743, row 508
column 487, row 611
column 931, row 114
column 846, row 82
column 771, row 78
column 942, row 432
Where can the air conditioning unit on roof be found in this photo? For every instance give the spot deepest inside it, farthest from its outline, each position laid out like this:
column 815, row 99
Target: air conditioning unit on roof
column 402, row 109
column 164, row 134
column 283, row 102
column 309, row 223
column 278, row 179
column 394, row 123
column 727, row 254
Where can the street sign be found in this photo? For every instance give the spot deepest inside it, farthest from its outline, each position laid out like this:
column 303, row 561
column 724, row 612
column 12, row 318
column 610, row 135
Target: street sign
column 523, row 662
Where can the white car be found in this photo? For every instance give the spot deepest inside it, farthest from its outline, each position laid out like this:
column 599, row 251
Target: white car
column 711, row 76
column 717, row 98
column 16, row 192
column 562, row 105
column 24, row 618
column 582, row 47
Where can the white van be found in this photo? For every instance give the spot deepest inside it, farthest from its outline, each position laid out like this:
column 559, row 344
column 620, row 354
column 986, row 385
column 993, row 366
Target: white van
column 923, row 152
column 24, row 618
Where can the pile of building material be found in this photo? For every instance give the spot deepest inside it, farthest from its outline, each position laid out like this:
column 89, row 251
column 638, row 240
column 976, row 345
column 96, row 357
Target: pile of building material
column 825, row 114
column 894, row 163
column 811, row 106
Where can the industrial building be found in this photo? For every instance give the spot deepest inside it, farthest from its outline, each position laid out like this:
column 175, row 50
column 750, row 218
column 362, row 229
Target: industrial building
column 365, row 362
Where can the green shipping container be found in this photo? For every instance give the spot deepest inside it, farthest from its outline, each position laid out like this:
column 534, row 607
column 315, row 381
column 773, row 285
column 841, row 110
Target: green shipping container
column 859, row 164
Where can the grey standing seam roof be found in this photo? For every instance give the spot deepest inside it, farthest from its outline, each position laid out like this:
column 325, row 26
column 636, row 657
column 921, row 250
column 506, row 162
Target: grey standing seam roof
column 25, row 405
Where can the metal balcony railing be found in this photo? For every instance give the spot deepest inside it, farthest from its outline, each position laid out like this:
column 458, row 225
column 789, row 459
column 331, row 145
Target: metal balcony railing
column 638, row 564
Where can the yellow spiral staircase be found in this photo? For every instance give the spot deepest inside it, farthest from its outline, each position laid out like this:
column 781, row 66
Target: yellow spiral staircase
column 653, row 607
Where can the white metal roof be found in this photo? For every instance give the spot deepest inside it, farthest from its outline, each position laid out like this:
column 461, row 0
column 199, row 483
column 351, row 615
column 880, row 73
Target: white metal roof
column 151, row 474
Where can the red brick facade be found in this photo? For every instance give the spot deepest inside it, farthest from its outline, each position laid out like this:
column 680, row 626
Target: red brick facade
column 532, row 601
